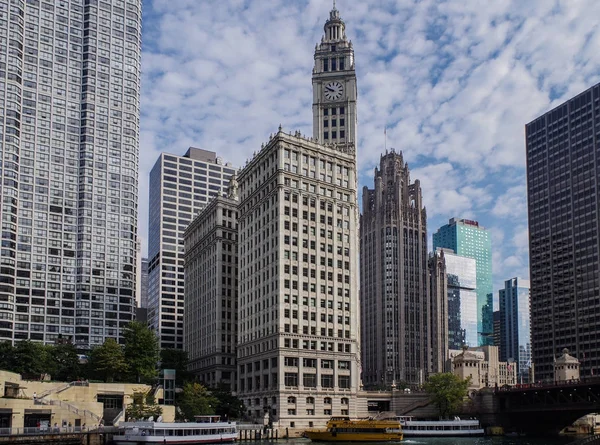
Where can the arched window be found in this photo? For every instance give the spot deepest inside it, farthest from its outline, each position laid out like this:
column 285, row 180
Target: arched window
column 291, row 399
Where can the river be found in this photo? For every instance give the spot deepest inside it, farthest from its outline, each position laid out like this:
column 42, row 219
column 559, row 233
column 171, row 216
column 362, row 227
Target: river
column 489, row 440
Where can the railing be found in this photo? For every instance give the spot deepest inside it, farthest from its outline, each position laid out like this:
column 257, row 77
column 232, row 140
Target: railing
column 413, row 406
column 119, row 417
column 249, row 426
column 40, row 431
column 589, row 440
column 62, row 388
column 72, row 408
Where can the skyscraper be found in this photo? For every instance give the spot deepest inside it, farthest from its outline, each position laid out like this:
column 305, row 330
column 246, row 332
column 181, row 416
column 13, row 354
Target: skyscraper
column 563, row 193
column 462, row 300
column 70, row 75
column 515, row 332
column 211, row 291
column 298, row 351
column 467, row 238
column 180, row 186
column 396, row 311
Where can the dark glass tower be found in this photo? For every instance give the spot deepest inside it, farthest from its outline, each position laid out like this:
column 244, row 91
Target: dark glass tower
column 563, row 169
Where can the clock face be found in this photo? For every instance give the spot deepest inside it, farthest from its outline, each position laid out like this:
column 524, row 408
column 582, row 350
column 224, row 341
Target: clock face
column 333, row 90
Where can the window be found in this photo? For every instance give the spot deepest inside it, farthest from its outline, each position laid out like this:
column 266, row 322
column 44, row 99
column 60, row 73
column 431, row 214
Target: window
column 327, row 381
column 309, row 380
column 326, row 135
column 291, row 379
column 344, row 381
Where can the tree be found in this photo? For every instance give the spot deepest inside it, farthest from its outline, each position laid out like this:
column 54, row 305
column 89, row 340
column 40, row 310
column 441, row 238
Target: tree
column 176, row 359
column 447, row 391
column 66, row 362
column 195, row 400
column 228, row 406
column 108, row 360
column 141, row 351
column 7, row 356
column 143, row 406
column 32, row 358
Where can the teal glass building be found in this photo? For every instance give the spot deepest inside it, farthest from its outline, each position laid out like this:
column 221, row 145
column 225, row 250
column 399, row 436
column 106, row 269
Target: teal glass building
column 468, row 239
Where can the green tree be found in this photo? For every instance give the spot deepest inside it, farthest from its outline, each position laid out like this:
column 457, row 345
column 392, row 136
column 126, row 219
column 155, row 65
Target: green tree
column 65, row 362
column 32, row 358
column 108, row 360
column 195, row 400
column 7, row 356
column 176, row 359
column 143, row 406
column 447, row 391
column 228, row 406
column 141, row 351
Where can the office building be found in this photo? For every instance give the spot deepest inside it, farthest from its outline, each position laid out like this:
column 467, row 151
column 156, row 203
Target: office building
column 298, row 351
column 562, row 197
column 497, row 331
column 144, row 283
column 210, row 309
column 461, row 273
column 180, row 186
column 70, row 76
column 468, row 239
column 396, row 309
column 515, row 332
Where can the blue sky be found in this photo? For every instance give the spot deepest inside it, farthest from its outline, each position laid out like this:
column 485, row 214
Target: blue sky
column 453, row 81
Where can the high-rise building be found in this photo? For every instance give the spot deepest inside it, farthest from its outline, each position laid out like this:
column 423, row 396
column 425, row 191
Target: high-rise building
column 468, row 239
column 298, row 350
column 180, row 186
column 497, row 341
column 462, row 300
column 562, row 197
column 144, row 283
column 70, row 76
column 515, row 332
column 210, row 310
column 396, row 310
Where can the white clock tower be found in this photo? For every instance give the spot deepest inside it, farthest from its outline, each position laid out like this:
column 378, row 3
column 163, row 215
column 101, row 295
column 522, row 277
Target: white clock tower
column 334, row 86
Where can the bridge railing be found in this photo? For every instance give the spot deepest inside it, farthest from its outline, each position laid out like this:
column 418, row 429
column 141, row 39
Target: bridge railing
column 589, row 440
column 542, row 385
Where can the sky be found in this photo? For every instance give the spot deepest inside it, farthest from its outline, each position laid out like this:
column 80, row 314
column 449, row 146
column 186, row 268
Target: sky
column 454, row 82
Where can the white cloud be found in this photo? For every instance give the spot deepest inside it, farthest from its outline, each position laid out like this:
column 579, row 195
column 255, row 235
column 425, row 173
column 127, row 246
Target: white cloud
column 453, row 82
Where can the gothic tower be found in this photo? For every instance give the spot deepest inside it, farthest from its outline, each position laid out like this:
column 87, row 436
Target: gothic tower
column 334, row 86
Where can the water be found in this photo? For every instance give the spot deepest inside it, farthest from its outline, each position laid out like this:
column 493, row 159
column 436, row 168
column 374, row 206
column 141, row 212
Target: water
column 490, row 440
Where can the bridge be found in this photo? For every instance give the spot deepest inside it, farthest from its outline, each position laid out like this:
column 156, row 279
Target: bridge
column 545, row 408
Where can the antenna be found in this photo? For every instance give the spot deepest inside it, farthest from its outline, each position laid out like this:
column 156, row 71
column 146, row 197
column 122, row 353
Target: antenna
column 385, row 138
column 333, row 4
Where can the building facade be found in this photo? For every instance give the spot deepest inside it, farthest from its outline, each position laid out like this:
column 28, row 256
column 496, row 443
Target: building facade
column 144, row 283
column 298, row 340
column 69, row 95
column 515, row 331
column 180, row 186
column 468, row 239
column 462, row 300
column 210, row 309
column 396, row 310
column 483, row 366
column 562, row 197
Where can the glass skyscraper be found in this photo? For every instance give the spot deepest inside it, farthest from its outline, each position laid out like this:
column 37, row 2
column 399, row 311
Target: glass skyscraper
column 562, row 194
column 467, row 238
column 69, row 143
column 462, row 300
column 515, row 332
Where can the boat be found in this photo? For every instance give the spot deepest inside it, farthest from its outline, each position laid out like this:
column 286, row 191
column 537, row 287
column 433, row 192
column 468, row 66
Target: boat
column 205, row 429
column 370, row 429
column 456, row 427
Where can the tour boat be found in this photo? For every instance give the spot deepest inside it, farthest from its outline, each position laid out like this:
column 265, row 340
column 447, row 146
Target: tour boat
column 342, row 429
column 206, row 429
column 440, row 428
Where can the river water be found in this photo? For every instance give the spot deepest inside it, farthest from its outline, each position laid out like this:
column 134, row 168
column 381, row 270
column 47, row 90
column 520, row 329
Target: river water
column 489, row 440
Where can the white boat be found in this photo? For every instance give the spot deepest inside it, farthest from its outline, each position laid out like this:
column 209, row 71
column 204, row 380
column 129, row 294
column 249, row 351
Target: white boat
column 206, row 429
column 440, row 428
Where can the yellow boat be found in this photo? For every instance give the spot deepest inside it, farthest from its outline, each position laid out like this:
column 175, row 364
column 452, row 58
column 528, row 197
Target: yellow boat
column 342, row 429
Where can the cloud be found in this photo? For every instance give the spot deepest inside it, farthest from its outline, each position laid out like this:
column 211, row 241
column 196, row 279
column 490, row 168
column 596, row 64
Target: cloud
column 453, row 82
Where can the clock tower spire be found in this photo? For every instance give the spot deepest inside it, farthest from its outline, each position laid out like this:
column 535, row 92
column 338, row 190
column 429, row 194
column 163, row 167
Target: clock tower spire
column 334, row 86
